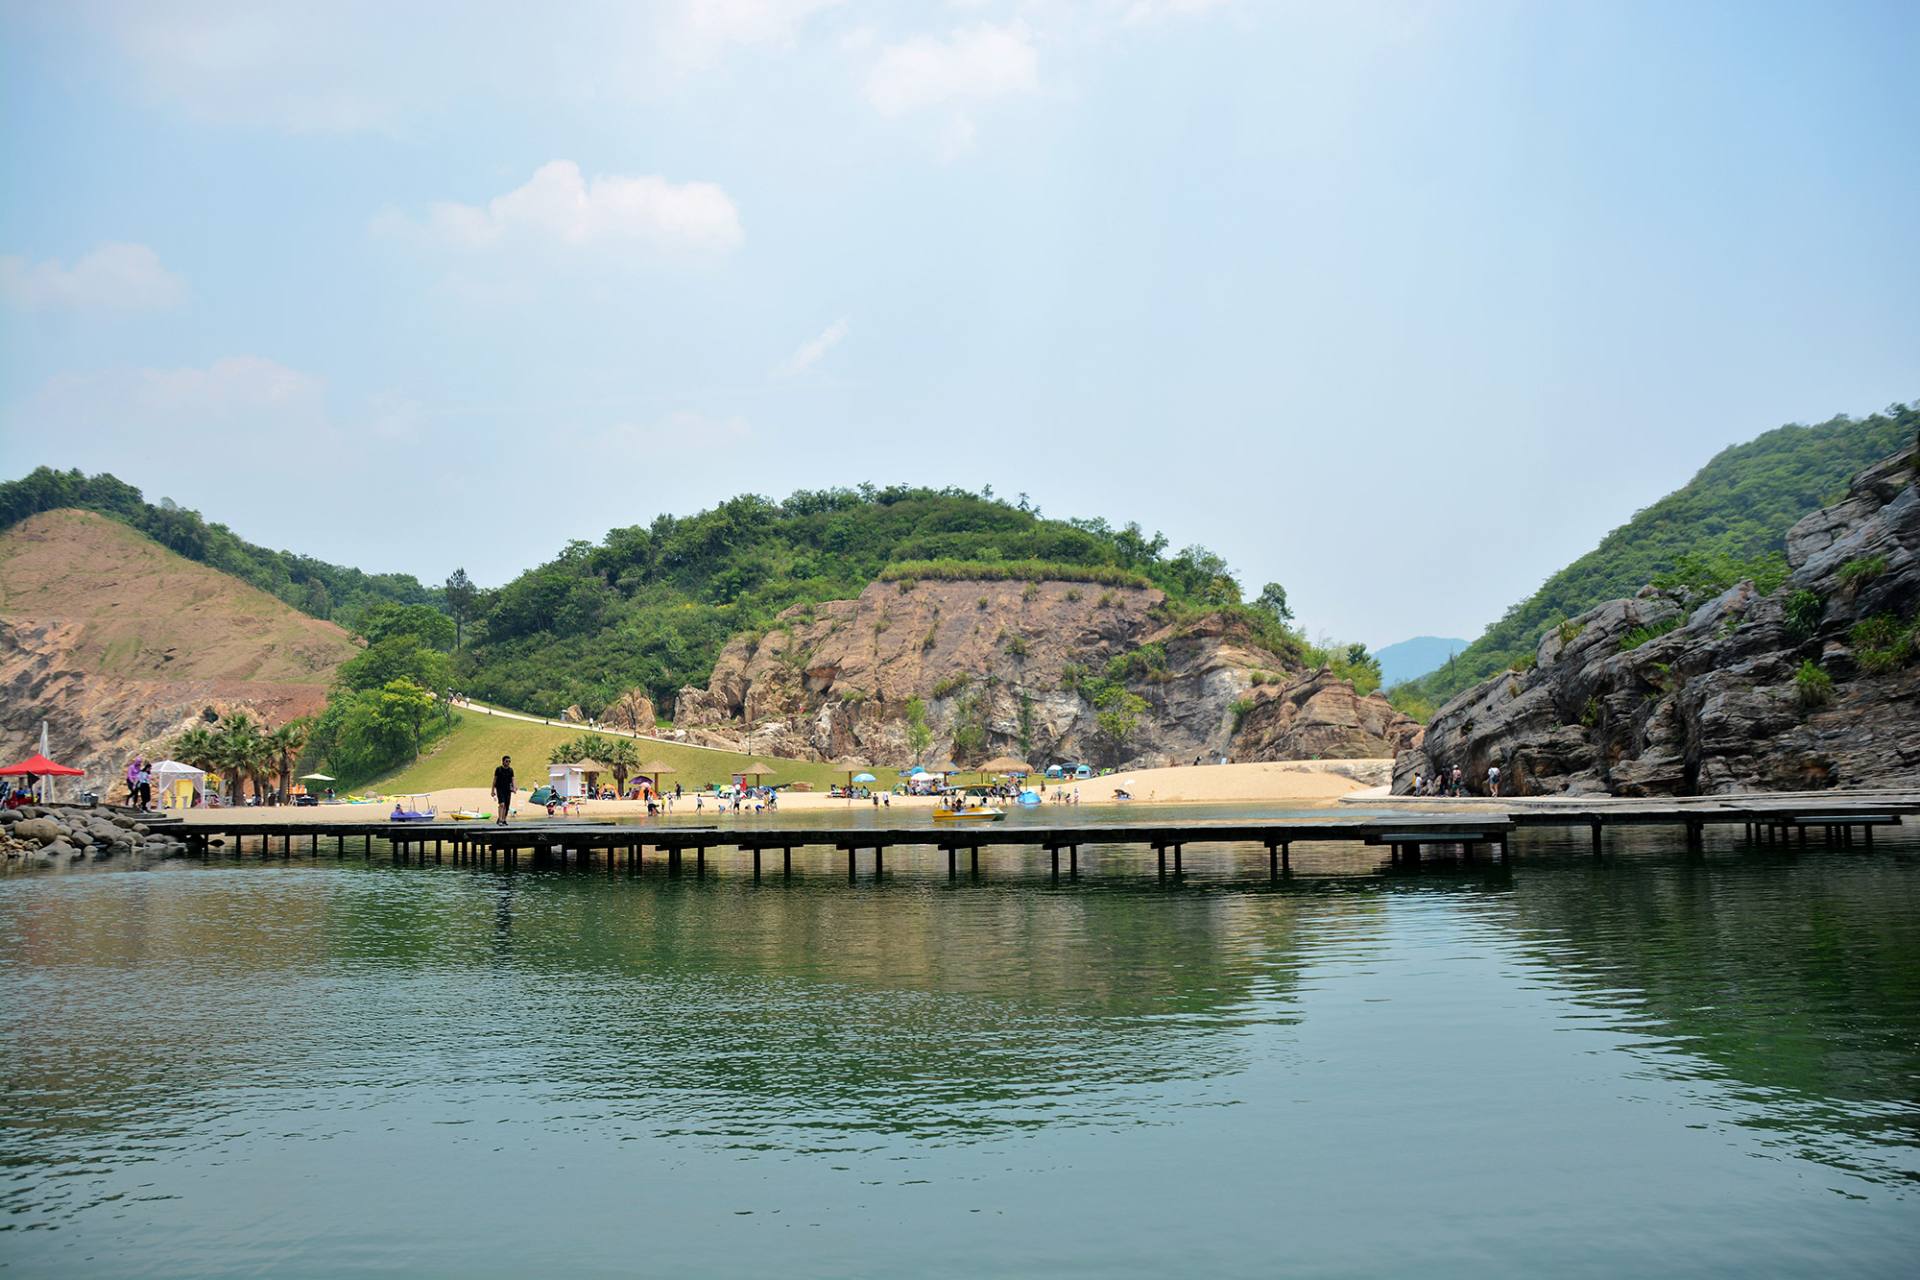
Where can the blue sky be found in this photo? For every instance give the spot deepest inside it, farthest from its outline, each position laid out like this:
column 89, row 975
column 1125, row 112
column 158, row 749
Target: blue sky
column 1402, row 305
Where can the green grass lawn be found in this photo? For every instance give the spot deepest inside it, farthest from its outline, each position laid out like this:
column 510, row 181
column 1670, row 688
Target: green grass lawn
column 466, row 757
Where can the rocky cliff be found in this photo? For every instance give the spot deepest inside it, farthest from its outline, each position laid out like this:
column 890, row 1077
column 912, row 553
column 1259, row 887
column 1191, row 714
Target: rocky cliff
column 1814, row 685
column 116, row 642
column 1045, row 670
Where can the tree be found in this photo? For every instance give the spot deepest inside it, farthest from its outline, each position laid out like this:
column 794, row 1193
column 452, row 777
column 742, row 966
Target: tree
column 461, row 595
column 623, row 755
column 919, row 736
column 286, row 743
column 198, row 747
column 240, row 752
column 406, row 705
column 422, row 623
column 1272, row 601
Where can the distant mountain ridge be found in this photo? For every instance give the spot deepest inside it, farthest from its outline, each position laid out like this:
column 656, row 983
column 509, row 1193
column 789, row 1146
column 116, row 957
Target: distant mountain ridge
column 1411, row 659
column 1740, row 505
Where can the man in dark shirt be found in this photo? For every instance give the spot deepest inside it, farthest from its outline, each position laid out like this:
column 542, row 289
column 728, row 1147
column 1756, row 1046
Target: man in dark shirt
column 503, row 788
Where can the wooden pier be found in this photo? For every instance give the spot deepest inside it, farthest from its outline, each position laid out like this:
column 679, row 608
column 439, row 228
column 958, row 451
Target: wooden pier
column 1406, row 837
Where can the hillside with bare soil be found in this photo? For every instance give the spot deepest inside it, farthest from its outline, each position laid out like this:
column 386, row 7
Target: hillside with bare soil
column 116, row 641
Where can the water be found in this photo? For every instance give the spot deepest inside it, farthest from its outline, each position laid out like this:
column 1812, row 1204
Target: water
column 324, row 1067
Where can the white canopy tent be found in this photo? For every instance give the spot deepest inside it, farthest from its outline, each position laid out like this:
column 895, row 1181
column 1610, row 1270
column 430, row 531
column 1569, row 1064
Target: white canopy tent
column 174, row 784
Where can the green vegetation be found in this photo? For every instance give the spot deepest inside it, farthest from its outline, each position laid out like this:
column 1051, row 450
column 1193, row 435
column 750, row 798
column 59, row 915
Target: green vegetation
column 1737, row 510
column 312, row 586
column 383, row 711
column 1241, row 707
column 1804, row 611
column 1861, row 570
column 1813, row 684
column 1883, row 643
column 919, row 736
column 1651, row 631
column 1028, row 571
column 1700, row 576
column 244, row 751
column 466, row 755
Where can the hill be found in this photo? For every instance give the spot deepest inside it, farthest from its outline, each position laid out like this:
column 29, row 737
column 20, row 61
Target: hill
column 312, row 586
column 115, row 639
column 1737, row 509
column 1411, row 659
column 651, row 607
column 467, row 755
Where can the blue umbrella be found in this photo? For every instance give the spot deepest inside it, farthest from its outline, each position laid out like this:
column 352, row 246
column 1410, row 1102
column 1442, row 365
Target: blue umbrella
column 865, row 777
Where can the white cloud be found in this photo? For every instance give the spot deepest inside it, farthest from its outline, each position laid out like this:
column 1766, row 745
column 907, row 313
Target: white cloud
column 1147, row 10
column 237, row 399
column 808, row 353
column 359, row 65
column 558, row 206
column 127, row 277
column 973, row 64
column 677, row 432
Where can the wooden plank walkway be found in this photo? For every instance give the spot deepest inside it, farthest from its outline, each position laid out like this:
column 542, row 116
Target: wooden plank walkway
column 1405, row 835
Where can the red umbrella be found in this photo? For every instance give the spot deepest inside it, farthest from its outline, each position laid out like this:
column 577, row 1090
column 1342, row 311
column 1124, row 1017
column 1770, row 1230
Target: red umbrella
column 42, row 767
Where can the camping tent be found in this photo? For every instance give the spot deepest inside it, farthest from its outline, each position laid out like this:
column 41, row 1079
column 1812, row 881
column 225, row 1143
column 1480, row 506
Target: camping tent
column 174, row 784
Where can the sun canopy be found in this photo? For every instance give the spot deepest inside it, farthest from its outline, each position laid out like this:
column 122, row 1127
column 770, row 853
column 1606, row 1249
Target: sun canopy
column 174, row 769
column 1006, row 764
column 315, row 777
column 42, row 767
column 591, row 766
column 658, row 766
column 755, row 768
column 865, row 777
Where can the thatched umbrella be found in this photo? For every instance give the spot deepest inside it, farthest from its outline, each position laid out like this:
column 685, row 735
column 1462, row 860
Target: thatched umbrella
column 593, row 769
column 756, row 770
column 1006, row 764
column 654, row 769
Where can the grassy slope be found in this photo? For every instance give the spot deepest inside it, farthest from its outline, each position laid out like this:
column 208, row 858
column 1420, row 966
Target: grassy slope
column 1742, row 502
column 146, row 613
column 466, row 757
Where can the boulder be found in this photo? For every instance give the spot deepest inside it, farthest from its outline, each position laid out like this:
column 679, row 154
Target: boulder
column 632, row 711
column 573, row 715
column 1321, row 717
column 38, row 830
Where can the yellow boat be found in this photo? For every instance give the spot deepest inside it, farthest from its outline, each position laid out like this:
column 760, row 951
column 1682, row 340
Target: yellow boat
column 468, row 815
column 968, row 815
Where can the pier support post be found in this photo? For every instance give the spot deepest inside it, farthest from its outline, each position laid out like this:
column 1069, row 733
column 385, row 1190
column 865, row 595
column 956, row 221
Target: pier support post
column 1594, row 826
column 756, row 864
column 953, row 859
column 973, row 855
column 786, row 861
column 1073, row 861
column 1053, row 852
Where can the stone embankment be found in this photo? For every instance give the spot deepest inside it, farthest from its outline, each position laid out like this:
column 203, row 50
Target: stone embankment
column 48, row 835
column 1815, row 685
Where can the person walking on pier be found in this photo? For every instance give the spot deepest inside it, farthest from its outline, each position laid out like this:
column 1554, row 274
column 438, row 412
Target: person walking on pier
column 503, row 789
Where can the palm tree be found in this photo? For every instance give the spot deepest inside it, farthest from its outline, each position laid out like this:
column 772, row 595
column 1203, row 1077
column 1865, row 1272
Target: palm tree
column 285, row 745
column 196, row 746
column 239, row 752
column 622, row 755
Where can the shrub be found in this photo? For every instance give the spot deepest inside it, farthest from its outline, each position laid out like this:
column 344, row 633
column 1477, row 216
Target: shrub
column 1241, row 706
column 1017, row 646
column 1804, row 611
column 908, row 584
column 1861, row 570
column 1074, row 595
column 1882, row 643
column 949, row 685
column 1651, row 631
column 1590, row 713
column 982, row 603
column 1813, row 684
column 1569, row 631
column 930, row 639
column 1029, row 593
column 1013, row 571
column 1106, row 601
column 1072, row 676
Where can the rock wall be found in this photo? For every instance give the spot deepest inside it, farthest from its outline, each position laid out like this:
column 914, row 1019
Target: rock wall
column 1719, row 703
column 999, row 668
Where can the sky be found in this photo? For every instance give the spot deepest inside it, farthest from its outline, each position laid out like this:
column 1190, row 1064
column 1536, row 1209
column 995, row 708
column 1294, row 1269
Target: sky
column 1402, row 305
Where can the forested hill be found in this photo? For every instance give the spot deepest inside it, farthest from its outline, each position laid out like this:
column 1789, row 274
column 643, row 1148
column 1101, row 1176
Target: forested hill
column 312, row 586
column 1736, row 511
column 651, row 606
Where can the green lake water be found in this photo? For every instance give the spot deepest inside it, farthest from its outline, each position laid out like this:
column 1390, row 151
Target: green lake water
column 1651, row 1063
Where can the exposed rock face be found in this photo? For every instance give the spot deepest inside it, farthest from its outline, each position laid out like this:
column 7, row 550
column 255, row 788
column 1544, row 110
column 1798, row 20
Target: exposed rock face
column 1320, row 717
column 632, row 711
column 998, row 668
column 573, row 715
column 1717, row 703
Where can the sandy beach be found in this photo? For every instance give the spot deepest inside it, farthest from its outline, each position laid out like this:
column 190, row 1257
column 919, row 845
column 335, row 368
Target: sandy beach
column 1298, row 781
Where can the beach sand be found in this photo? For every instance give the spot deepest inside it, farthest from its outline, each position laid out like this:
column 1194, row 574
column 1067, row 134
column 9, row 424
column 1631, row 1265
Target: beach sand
column 1299, row 781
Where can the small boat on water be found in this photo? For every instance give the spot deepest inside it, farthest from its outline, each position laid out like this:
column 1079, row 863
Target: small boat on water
column 984, row 814
column 467, row 815
column 412, row 808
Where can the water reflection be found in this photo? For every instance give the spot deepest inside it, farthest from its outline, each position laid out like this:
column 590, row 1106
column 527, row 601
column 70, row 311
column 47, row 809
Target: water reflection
column 158, row 1023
